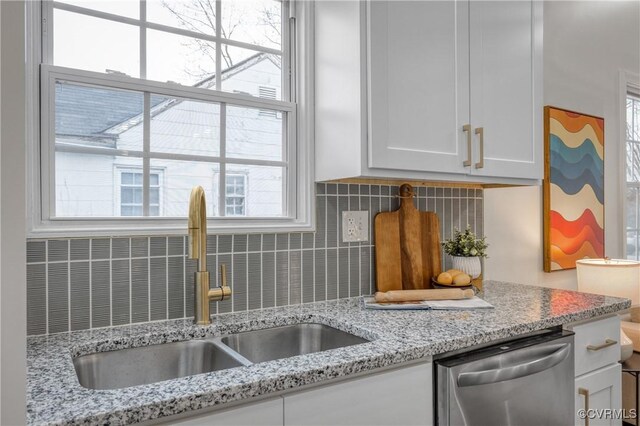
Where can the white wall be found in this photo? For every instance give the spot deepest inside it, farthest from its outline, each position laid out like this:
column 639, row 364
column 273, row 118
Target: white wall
column 13, row 299
column 586, row 44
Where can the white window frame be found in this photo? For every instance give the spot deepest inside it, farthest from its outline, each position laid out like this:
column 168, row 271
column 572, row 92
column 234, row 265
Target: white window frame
column 299, row 207
column 245, row 183
column 120, row 169
column 628, row 83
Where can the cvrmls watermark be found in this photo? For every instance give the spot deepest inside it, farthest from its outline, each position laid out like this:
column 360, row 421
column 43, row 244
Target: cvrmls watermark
column 607, row 413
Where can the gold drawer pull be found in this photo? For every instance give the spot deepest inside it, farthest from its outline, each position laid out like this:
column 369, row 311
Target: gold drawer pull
column 585, row 392
column 606, row 344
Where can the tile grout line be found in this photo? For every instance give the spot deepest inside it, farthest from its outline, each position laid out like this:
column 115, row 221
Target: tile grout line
column 68, row 286
column 184, row 278
column 166, row 276
column 148, row 278
column 246, row 273
column 261, row 273
column 90, row 283
column 46, row 285
column 326, row 252
column 110, row 284
column 130, row 283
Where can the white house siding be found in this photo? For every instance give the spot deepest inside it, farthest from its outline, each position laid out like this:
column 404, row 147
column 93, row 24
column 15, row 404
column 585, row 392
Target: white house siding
column 88, row 185
column 85, row 184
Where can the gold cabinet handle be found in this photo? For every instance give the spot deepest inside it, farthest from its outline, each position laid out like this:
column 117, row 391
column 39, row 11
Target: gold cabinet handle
column 467, row 129
column 606, row 344
column 480, row 132
column 585, row 392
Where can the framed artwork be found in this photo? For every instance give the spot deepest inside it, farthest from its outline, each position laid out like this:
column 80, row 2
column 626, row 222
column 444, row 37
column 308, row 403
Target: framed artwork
column 573, row 188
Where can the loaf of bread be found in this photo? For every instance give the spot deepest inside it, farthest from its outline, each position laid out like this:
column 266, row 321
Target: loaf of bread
column 461, row 279
column 445, row 278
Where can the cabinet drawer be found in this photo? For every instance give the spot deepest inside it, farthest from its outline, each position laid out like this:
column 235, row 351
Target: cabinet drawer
column 593, row 348
column 602, row 389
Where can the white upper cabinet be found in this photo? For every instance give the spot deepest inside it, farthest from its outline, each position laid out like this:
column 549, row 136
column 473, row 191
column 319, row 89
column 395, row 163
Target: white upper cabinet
column 505, row 96
column 443, row 90
column 418, row 65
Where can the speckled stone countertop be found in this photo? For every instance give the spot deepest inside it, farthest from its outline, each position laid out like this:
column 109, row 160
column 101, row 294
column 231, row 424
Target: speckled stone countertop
column 54, row 395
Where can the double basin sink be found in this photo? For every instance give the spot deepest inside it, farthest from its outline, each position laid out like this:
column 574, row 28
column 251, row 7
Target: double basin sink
column 155, row 363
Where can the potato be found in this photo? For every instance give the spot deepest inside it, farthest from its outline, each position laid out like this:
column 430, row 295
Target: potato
column 461, row 279
column 444, row 278
column 454, row 272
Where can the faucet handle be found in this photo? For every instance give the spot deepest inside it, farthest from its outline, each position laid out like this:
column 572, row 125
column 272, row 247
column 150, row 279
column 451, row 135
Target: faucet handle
column 223, row 275
column 223, row 291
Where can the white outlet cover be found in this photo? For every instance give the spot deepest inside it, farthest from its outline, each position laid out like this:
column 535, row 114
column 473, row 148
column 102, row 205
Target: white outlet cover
column 355, row 226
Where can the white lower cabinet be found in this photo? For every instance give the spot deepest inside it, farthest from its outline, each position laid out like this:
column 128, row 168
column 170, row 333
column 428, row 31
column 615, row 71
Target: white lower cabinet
column 601, row 391
column 262, row 413
column 401, row 396
column 397, row 397
column 598, row 385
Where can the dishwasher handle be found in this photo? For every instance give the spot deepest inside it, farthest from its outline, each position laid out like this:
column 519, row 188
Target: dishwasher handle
column 528, row 368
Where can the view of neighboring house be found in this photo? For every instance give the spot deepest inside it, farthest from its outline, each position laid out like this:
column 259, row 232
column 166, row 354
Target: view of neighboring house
column 92, row 184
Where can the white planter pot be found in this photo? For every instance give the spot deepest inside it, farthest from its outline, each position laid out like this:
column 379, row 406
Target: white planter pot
column 468, row 265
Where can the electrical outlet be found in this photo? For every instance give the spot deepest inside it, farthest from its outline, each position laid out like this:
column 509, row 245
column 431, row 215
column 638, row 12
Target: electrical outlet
column 355, row 226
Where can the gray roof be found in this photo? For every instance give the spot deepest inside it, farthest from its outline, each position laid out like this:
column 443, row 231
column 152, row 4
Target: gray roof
column 89, row 111
column 100, row 114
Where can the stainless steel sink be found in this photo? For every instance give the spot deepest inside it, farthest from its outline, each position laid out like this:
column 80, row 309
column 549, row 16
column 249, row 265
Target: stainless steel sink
column 151, row 364
column 287, row 341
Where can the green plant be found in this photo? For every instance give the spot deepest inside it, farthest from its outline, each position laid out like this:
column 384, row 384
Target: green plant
column 465, row 244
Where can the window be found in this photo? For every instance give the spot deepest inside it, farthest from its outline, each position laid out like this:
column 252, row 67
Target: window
column 236, row 192
column 131, row 194
column 633, row 177
column 194, row 88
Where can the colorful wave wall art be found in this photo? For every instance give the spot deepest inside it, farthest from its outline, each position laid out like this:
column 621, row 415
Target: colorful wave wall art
column 573, row 188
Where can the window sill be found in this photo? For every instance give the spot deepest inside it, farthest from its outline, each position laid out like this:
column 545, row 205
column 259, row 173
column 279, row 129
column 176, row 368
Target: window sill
column 77, row 229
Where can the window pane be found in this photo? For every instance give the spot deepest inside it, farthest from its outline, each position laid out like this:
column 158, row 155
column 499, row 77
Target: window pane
column 127, row 195
column 632, row 245
column 251, row 70
column 633, row 162
column 199, row 16
column 127, row 178
column 253, row 21
column 154, row 211
column 128, row 8
column 252, row 135
column 95, row 44
column 630, row 118
column 179, row 177
column 636, row 119
column 632, row 208
column 154, row 196
column 85, row 185
column 263, row 189
column 98, row 117
column 184, row 60
column 186, row 127
column 154, row 179
column 127, row 211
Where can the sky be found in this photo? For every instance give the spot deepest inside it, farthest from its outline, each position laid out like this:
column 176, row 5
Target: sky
column 96, row 44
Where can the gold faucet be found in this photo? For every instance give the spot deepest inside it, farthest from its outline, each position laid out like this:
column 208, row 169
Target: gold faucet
column 198, row 250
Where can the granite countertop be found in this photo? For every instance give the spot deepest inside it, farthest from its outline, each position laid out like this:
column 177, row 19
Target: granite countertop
column 54, row 395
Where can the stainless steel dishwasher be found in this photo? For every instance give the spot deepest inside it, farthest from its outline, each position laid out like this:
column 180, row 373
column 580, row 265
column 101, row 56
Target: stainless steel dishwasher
column 528, row 381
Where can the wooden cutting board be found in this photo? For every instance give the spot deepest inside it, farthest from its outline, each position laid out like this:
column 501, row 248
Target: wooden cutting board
column 407, row 244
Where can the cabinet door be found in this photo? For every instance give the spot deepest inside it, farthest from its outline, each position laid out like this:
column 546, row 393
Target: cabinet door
column 396, row 397
column 506, row 88
column 418, row 85
column 263, row 413
column 604, row 392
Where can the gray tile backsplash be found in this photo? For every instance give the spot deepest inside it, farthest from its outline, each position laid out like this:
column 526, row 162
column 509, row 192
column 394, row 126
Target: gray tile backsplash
column 83, row 283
